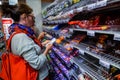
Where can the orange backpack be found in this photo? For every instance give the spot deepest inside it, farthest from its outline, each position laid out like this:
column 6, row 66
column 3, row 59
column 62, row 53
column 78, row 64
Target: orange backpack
column 14, row 67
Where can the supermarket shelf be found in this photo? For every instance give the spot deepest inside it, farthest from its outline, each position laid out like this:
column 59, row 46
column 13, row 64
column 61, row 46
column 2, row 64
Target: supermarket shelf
column 57, row 8
column 99, row 6
column 62, row 57
column 66, row 72
column 88, row 70
column 62, row 21
column 92, row 32
column 110, row 60
column 113, row 1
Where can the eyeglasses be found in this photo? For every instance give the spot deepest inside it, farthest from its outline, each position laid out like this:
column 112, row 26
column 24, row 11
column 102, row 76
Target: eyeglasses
column 30, row 15
column 25, row 16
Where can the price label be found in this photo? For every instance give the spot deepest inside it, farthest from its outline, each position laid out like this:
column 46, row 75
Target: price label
column 91, row 6
column 54, row 21
column 80, row 9
column 81, row 51
column 85, row 8
column 67, row 20
column 117, row 37
column 59, row 21
column 51, row 22
column 101, row 3
column 64, row 21
column 105, row 64
column 71, row 30
column 70, row 12
column 90, row 33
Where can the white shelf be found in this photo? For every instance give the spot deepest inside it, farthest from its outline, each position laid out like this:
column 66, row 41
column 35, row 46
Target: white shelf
column 88, row 7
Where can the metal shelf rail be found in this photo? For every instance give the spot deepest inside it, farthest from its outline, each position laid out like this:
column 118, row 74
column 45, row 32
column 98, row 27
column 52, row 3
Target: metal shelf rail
column 111, row 60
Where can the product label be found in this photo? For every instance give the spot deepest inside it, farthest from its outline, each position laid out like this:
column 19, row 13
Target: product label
column 105, row 64
column 81, row 51
column 70, row 12
column 80, row 9
column 117, row 51
column 51, row 42
column 91, row 33
column 101, row 3
column 71, row 30
column 91, row 6
column 117, row 37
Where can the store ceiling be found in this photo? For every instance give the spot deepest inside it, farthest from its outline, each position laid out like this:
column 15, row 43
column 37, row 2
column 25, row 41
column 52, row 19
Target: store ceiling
column 47, row 1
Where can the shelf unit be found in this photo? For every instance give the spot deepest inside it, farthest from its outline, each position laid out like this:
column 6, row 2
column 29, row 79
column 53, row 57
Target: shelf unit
column 101, row 56
column 103, row 5
column 88, row 70
column 93, row 32
column 76, row 12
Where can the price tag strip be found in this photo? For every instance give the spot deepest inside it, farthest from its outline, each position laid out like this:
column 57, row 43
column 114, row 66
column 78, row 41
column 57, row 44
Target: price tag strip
column 80, row 9
column 97, row 5
column 81, row 51
column 91, row 6
column 70, row 12
column 91, row 33
column 71, row 30
column 105, row 64
column 117, row 37
column 101, row 3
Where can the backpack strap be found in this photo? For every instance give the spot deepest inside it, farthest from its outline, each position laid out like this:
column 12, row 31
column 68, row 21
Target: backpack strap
column 8, row 47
